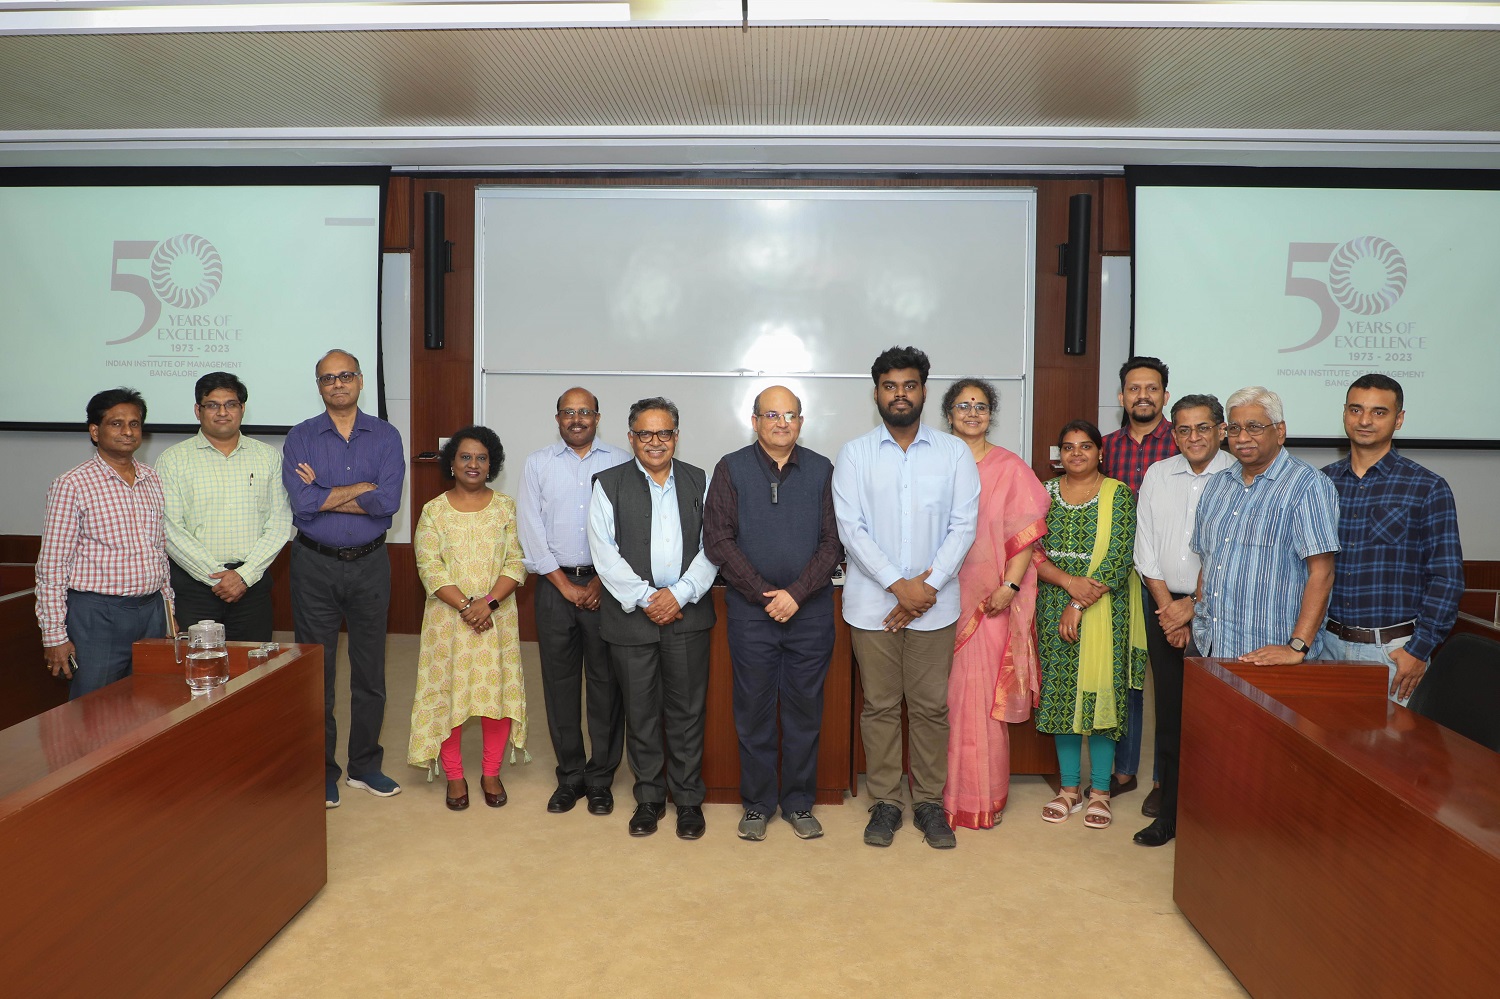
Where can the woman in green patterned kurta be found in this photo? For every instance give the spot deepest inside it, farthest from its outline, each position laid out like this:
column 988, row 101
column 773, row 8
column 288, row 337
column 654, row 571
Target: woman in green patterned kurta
column 1088, row 621
column 469, row 561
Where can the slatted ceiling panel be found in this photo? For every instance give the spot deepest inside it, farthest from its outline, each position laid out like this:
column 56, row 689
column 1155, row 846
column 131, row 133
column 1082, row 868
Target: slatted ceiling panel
column 762, row 82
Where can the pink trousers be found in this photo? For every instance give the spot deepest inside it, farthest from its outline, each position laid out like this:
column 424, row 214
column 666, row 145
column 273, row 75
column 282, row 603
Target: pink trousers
column 496, row 735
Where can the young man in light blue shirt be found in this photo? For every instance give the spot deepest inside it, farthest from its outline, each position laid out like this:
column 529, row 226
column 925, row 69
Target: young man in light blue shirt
column 907, row 500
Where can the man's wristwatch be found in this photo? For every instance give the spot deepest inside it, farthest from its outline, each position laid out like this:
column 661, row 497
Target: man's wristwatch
column 1298, row 645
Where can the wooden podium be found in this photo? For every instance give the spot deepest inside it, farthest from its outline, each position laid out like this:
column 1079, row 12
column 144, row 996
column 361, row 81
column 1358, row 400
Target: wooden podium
column 156, row 841
column 1331, row 843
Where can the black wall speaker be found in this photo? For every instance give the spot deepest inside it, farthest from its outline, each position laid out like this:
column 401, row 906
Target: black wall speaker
column 1073, row 261
column 437, row 262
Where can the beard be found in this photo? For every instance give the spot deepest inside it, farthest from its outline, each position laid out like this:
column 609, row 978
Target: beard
column 904, row 418
column 1138, row 417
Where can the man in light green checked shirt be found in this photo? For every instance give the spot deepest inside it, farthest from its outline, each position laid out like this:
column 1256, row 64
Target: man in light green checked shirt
column 227, row 515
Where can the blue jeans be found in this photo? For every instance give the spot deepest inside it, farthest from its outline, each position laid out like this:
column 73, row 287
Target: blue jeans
column 102, row 629
column 1336, row 648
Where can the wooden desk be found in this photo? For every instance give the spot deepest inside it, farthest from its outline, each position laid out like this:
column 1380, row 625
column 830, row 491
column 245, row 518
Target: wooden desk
column 26, row 689
column 1331, row 843
column 156, row 841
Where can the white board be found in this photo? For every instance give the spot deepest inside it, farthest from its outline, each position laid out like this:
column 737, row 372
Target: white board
column 708, row 296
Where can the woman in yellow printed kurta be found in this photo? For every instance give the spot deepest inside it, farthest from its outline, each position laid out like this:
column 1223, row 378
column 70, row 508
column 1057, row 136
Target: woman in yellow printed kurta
column 469, row 561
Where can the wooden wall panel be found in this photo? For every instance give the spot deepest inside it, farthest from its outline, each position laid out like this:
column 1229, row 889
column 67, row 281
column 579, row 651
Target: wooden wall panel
column 1114, row 217
column 398, row 236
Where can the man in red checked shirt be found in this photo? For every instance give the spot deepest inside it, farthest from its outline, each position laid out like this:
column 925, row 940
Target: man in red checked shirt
column 101, row 578
column 1145, row 439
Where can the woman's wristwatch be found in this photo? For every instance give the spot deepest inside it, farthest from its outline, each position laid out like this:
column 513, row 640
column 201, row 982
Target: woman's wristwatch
column 1014, row 586
column 494, row 604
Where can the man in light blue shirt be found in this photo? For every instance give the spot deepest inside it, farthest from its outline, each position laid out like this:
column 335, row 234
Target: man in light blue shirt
column 1267, row 532
column 646, row 538
column 907, row 500
column 552, row 516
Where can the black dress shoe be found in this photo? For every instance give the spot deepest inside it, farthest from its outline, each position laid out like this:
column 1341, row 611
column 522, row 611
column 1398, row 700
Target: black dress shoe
column 498, row 798
column 1118, row 787
column 690, row 824
column 461, row 802
column 1151, row 807
column 647, row 813
column 1159, row 833
column 565, row 797
column 601, row 800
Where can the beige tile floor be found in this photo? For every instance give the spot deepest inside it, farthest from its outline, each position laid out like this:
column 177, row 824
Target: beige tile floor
column 421, row 901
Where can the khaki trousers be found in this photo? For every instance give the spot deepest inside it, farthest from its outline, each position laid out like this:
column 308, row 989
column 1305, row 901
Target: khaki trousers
column 913, row 665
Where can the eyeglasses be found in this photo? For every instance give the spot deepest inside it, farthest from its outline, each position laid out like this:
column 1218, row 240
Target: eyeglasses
column 645, row 436
column 972, row 407
column 770, row 415
column 343, row 378
column 1197, row 430
column 232, row 406
column 585, row 412
column 1253, row 429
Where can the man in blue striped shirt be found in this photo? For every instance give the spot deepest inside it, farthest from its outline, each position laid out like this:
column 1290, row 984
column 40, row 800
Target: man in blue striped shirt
column 1400, row 566
column 1267, row 532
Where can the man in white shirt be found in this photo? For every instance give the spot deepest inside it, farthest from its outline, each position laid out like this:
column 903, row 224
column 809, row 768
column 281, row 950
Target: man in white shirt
column 1168, row 567
column 906, row 498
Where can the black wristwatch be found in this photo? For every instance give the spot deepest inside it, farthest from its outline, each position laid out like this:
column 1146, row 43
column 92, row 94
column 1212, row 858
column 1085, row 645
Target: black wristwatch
column 1014, row 586
column 1298, row 645
column 495, row 605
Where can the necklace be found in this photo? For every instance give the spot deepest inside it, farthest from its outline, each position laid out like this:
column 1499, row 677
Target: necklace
column 1071, row 492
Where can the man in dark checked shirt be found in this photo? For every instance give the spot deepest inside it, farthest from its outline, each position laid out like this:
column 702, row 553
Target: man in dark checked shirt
column 1145, row 439
column 1400, row 568
column 768, row 523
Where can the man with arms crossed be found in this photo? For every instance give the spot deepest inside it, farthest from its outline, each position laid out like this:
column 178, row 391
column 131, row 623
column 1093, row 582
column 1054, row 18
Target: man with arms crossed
column 1400, row 566
column 769, row 526
column 101, row 575
column 227, row 515
column 552, row 517
column 343, row 472
column 907, row 502
column 1168, row 569
column 646, row 538
column 1146, row 438
column 1267, row 532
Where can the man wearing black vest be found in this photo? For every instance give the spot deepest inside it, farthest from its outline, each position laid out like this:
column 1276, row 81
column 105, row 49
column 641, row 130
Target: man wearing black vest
column 646, row 538
column 769, row 526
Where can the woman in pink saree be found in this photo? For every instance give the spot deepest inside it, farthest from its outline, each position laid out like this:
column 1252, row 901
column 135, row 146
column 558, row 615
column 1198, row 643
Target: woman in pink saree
column 995, row 679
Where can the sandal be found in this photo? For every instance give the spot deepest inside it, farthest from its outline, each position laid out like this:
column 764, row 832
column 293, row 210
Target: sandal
column 1059, row 808
column 1098, row 815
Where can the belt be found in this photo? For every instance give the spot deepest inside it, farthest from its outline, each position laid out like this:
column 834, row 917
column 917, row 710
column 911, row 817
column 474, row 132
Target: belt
column 1371, row 636
column 578, row 571
column 342, row 554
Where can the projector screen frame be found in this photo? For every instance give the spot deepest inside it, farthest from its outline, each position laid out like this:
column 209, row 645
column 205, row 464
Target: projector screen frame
column 237, row 176
column 1343, row 178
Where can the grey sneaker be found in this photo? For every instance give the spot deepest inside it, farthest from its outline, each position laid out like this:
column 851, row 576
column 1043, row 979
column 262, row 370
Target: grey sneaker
column 753, row 825
column 929, row 817
column 803, row 824
column 885, row 819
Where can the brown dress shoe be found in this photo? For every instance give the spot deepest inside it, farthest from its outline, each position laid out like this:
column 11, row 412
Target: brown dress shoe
column 461, row 802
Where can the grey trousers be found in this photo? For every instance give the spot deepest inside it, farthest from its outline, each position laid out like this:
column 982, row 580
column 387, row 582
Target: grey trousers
column 666, row 695
column 325, row 594
column 914, row 666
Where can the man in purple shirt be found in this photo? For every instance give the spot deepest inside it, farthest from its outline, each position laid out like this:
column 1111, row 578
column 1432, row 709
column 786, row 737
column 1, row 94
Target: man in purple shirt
column 343, row 472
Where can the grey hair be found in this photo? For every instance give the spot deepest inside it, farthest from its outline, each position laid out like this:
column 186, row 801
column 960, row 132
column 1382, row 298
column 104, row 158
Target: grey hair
column 1257, row 395
column 655, row 402
column 1208, row 402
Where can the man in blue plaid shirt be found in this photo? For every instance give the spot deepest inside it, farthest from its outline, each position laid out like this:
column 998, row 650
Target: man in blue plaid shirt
column 1400, row 569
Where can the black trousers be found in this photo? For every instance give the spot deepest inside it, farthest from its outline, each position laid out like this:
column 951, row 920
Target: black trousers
column 786, row 664
column 665, row 685
column 248, row 619
column 1166, row 676
column 325, row 594
column 576, row 668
